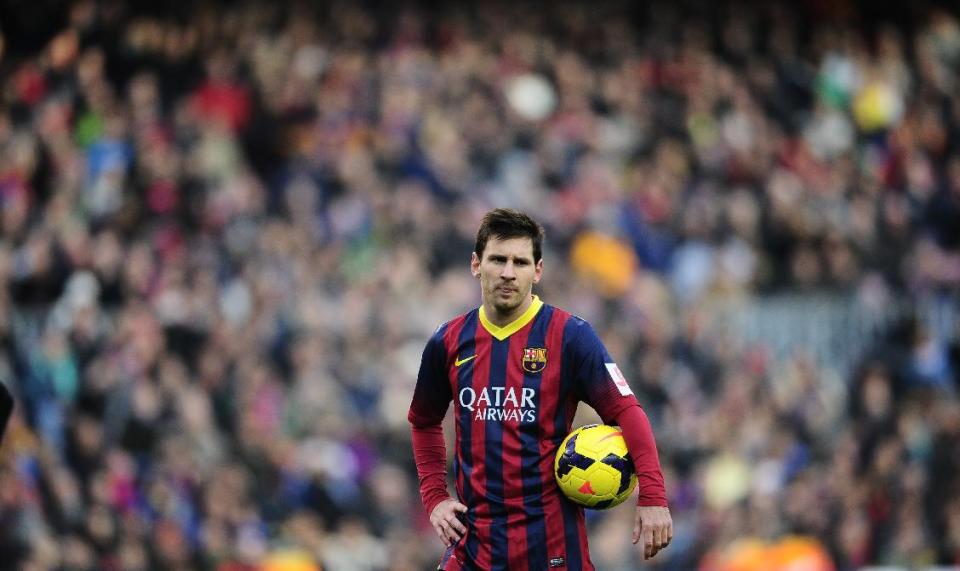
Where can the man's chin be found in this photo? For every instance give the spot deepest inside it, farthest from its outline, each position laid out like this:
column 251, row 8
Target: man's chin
column 506, row 308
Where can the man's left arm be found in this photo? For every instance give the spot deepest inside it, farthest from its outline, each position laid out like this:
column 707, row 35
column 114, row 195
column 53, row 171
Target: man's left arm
column 652, row 522
column 604, row 387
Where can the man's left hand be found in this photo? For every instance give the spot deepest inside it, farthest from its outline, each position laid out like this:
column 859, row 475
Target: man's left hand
column 654, row 525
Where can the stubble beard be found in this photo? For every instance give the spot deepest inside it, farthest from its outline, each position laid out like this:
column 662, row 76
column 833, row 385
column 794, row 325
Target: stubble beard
column 508, row 306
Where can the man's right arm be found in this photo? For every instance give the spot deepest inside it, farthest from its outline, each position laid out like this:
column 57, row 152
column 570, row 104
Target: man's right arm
column 430, row 454
column 431, row 398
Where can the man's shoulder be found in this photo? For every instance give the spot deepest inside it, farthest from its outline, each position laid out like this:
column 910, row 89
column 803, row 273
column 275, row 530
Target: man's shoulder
column 455, row 323
column 578, row 338
column 576, row 330
column 571, row 318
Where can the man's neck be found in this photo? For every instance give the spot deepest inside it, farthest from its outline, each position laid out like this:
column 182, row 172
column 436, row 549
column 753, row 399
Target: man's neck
column 500, row 319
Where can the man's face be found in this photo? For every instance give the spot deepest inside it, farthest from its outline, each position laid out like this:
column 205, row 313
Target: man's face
column 507, row 272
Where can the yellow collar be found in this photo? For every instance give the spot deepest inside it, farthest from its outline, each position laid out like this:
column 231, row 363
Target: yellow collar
column 501, row 333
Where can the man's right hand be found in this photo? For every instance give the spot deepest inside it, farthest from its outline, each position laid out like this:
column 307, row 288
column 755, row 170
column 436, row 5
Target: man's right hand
column 445, row 520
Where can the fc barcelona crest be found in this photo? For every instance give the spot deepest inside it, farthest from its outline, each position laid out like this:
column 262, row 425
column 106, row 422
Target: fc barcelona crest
column 534, row 359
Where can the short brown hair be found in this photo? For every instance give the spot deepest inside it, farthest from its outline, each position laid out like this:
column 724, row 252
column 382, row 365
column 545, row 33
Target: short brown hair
column 506, row 223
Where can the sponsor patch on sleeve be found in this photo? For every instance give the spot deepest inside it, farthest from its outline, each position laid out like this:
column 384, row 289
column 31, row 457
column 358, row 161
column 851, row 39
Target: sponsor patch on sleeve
column 618, row 379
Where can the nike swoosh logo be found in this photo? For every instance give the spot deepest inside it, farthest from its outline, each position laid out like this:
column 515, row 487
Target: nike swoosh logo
column 460, row 361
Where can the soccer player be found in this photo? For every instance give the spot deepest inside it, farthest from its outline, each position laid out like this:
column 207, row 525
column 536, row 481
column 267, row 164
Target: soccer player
column 515, row 369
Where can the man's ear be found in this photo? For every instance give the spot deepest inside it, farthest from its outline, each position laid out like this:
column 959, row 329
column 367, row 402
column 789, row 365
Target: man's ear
column 538, row 271
column 475, row 265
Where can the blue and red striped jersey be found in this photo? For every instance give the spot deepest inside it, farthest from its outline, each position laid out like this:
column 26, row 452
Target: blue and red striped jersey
column 515, row 391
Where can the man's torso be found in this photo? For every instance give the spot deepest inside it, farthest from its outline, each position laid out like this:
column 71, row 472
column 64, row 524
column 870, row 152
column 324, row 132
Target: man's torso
column 513, row 404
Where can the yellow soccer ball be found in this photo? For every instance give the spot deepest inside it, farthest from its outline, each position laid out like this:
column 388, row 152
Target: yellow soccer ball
column 593, row 467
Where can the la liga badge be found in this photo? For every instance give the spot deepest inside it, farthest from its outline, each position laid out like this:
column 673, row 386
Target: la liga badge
column 534, row 359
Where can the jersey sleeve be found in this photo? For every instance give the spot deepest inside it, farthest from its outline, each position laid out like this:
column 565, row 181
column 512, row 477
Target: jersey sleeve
column 597, row 380
column 433, row 394
column 431, row 398
column 638, row 434
column 599, row 383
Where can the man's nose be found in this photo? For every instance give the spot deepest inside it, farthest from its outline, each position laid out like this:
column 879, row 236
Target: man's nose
column 508, row 272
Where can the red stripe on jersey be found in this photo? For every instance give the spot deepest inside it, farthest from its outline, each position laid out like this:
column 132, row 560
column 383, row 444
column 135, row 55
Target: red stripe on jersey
column 451, row 340
column 478, row 477
column 585, row 562
column 512, row 453
column 549, row 409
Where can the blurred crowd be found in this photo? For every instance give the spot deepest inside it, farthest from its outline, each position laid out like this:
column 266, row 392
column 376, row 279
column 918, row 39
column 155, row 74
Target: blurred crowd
column 229, row 228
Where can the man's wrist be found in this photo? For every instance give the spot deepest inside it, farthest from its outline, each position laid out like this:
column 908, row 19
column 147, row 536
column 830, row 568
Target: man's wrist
column 432, row 505
column 646, row 502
